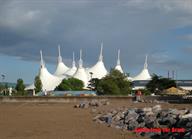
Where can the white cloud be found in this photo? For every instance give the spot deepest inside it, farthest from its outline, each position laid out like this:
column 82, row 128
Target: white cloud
column 187, row 37
column 164, row 5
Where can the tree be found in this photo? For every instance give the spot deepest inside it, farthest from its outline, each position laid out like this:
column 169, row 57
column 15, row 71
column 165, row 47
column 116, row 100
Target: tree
column 93, row 84
column 115, row 83
column 20, row 87
column 38, row 84
column 71, row 84
column 158, row 84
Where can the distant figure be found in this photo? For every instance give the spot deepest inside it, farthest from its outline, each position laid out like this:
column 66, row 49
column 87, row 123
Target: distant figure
column 138, row 95
column 45, row 92
column 10, row 91
column 33, row 92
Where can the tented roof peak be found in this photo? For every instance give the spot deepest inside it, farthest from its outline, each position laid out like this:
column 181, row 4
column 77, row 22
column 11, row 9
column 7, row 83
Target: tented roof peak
column 118, row 58
column 73, row 63
column 145, row 64
column 101, row 52
column 80, row 59
column 61, row 67
column 41, row 61
column 59, row 57
column 118, row 66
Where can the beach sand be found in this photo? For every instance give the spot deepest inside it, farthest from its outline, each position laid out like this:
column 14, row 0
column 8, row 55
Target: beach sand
column 62, row 121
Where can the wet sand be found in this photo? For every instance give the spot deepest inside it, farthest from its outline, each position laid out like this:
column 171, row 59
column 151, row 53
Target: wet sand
column 61, row 121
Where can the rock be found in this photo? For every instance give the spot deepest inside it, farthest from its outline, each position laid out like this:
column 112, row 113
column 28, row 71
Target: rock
column 132, row 124
column 130, row 115
column 189, row 125
column 149, row 113
column 147, row 109
column 106, row 118
column 118, row 116
column 162, row 113
column 149, row 121
column 76, row 106
column 141, row 124
column 139, row 111
column 121, row 124
column 182, row 122
column 82, row 105
column 169, row 121
column 187, row 116
column 156, row 108
column 188, row 135
column 97, row 117
column 114, row 112
column 148, row 117
column 140, row 119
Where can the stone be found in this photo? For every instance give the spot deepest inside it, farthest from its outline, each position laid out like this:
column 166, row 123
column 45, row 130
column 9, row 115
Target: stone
column 187, row 116
column 162, row 113
column 130, row 115
column 149, row 121
column 141, row 124
column 149, row 113
column 155, row 117
column 76, row 106
column 147, row 109
column 156, row 108
column 140, row 119
column 139, row 111
column 132, row 124
column 188, row 135
column 182, row 122
column 106, row 118
column 96, row 117
column 189, row 125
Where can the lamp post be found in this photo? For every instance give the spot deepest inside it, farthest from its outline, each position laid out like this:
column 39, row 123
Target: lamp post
column 91, row 74
column 90, row 85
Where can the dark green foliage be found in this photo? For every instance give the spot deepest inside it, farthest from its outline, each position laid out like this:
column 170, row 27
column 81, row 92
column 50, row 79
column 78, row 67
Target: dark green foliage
column 38, row 84
column 71, row 84
column 115, row 83
column 93, row 84
column 20, row 87
column 158, row 84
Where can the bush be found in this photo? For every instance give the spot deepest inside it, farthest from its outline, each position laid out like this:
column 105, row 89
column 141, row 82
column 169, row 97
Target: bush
column 38, row 84
column 20, row 87
column 158, row 84
column 115, row 83
column 71, row 84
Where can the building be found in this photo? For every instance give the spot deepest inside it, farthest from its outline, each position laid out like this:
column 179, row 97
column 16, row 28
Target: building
column 51, row 81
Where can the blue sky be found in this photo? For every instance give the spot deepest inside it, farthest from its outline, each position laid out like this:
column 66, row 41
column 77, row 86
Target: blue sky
column 161, row 28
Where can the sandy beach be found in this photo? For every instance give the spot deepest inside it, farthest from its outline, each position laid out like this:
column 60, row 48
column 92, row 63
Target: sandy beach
column 62, row 121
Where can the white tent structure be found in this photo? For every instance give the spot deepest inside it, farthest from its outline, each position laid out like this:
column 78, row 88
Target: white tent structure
column 118, row 66
column 61, row 67
column 98, row 70
column 49, row 81
column 73, row 69
column 81, row 72
column 144, row 74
